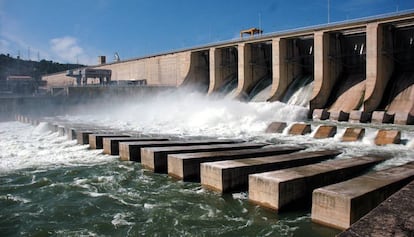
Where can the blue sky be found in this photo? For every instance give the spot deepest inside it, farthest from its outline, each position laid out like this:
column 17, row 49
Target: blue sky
column 81, row 30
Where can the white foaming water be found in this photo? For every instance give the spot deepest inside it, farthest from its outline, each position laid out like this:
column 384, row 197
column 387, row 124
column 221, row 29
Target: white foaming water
column 183, row 114
column 193, row 114
column 302, row 96
column 262, row 95
column 23, row 146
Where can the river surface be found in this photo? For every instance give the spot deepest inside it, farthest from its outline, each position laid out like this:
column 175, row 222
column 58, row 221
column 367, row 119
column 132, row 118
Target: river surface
column 50, row 186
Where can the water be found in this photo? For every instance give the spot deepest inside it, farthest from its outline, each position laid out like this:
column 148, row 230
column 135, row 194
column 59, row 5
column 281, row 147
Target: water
column 230, row 87
column 261, row 91
column 299, row 91
column 52, row 186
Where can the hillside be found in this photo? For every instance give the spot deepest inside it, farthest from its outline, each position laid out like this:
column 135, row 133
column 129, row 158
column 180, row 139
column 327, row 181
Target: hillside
column 12, row 66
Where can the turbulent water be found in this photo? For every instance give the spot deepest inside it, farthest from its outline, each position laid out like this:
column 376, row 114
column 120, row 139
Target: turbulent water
column 52, row 186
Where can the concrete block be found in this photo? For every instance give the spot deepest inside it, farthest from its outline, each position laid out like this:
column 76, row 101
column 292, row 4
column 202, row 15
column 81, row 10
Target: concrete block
column 96, row 139
column 155, row 158
column 353, row 134
column 360, row 116
column 81, row 133
column 283, row 188
column 385, row 137
column 276, row 127
column 393, row 217
column 300, row 129
column 382, row 117
column 338, row 116
column 325, row 131
column 111, row 144
column 232, row 175
column 83, row 137
column 71, row 133
column 339, row 205
column 320, row 114
column 187, row 166
column 132, row 150
column 403, row 119
column 61, row 130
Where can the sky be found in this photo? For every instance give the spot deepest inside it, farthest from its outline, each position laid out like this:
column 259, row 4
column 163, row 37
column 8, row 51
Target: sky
column 78, row 31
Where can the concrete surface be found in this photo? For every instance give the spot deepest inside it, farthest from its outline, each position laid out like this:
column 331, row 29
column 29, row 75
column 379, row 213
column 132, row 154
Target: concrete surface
column 232, row 175
column 132, row 150
column 339, row 205
column 155, row 158
column 111, row 144
column 283, row 188
column 187, row 166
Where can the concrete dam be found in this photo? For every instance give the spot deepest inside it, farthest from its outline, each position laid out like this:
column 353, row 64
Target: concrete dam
column 298, row 133
column 358, row 71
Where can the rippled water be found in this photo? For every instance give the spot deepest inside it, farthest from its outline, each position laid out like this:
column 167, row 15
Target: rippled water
column 50, row 186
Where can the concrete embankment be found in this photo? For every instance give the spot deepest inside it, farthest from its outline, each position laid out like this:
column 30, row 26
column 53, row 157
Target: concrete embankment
column 96, row 139
column 279, row 189
column 339, row 205
column 393, row 217
column 132, row 150
column 155, row 158
column 231, row 175
column 111, row 144
column 187, row 166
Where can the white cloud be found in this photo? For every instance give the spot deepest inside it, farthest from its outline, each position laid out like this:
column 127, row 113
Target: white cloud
column 67, row 49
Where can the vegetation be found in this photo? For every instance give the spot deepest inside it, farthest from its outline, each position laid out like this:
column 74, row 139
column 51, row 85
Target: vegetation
column 14, row 66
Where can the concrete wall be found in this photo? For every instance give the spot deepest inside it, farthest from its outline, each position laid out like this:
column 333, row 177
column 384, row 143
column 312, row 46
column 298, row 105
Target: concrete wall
column 379, row 64
column 254, row 63
column 199, row 74
column 223, row 64
column 214, row 65
column 170, row 69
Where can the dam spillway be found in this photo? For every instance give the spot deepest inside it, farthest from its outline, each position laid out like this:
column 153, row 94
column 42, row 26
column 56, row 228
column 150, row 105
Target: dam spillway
column 357, row 70
column 315, row 72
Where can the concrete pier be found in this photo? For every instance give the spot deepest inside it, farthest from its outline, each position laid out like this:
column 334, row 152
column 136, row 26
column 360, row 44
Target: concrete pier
column 382, row 117
column 325, row 131
column 300, row 129
column 132, row 150
column 393, row 217
column 96, row 139
column 187, row 166
column 155, row 158
column 61, row 130
column 111, row 144
column 320, row 114
column 71, row 130
column 360, row 116
column 276, row 127
column 385, row 136
column 339, row 205
column 353, row 134
column 225, row 176
column 82, row 136
column 338, row 116
column 282, row 188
